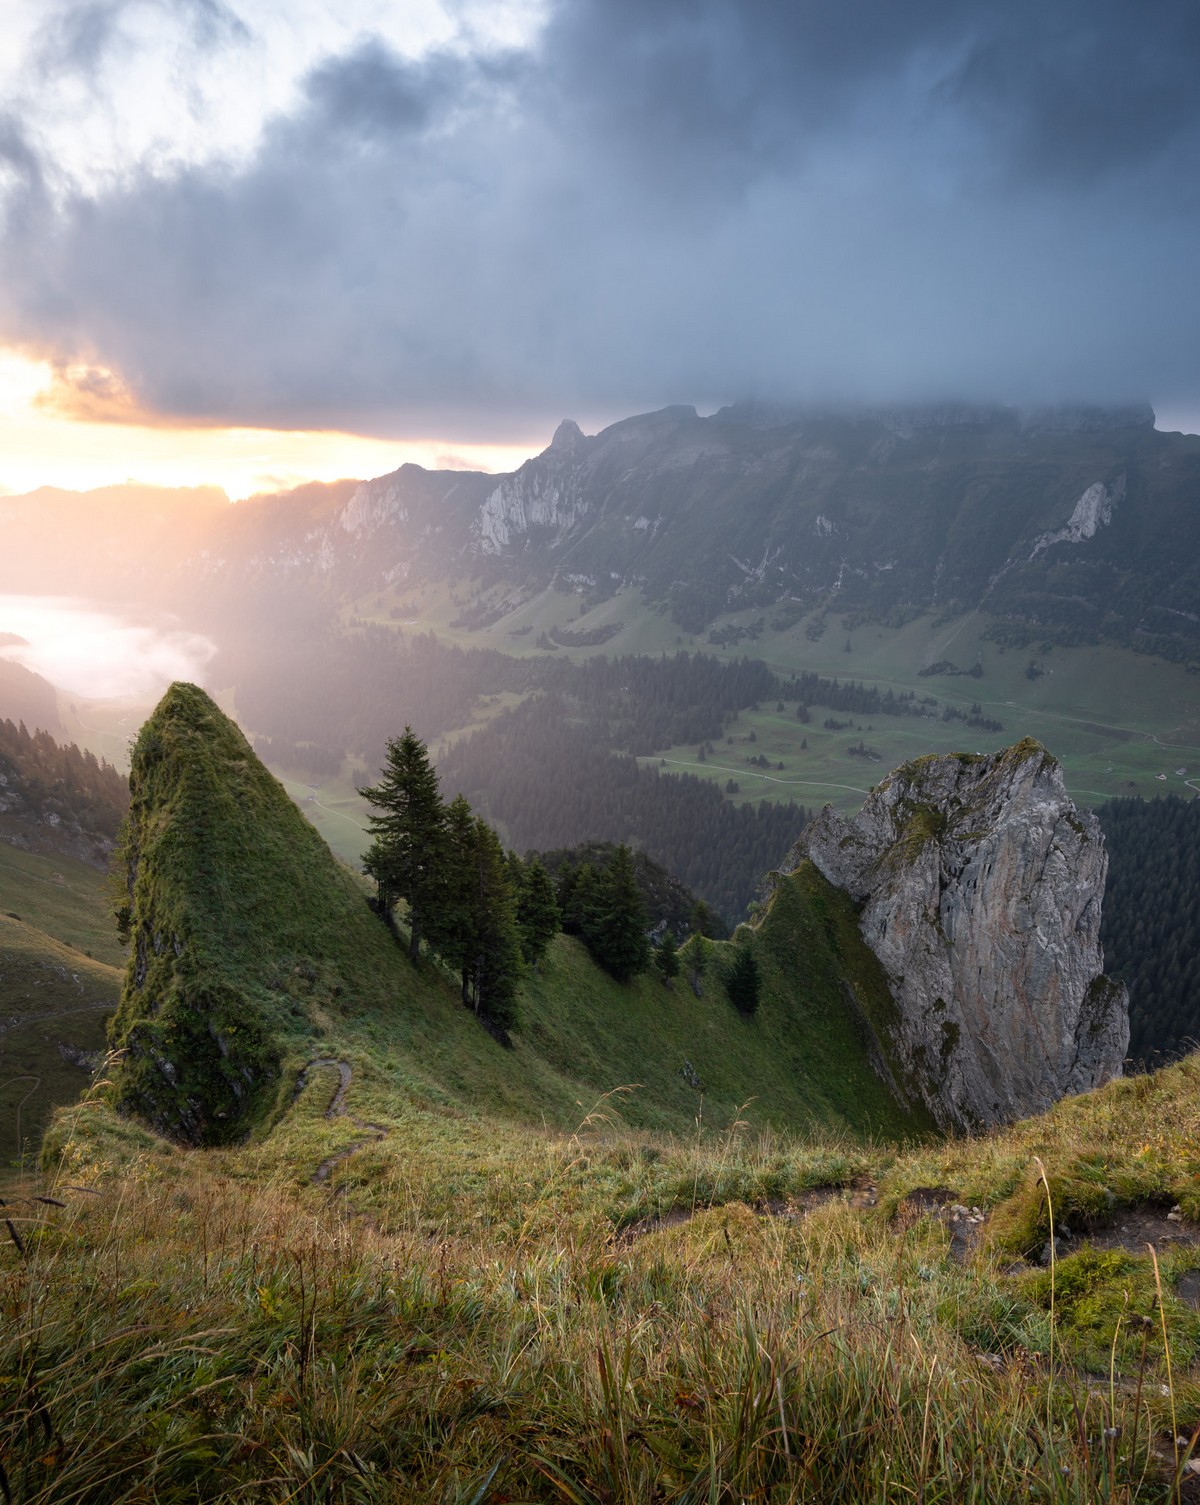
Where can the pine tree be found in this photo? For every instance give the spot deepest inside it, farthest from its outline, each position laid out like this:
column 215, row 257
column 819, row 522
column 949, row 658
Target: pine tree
column 537, row 911
column 578, row 896
column 742, row 981
column 695, row 956
column 404, row 856
column 702, row 921
column 666, row 957
column 492, row 971
column 452, row 923
column 616, row 936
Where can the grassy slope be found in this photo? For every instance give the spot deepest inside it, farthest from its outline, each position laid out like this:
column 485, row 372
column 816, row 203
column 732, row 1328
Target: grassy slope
column 53, row 1000
column 484, row 1330
column 245, row 901
column 505, row 1319
column 58, row 982
column 66, row 899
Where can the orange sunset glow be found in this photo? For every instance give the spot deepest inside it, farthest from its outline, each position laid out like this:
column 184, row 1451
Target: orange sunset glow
column 57, row 429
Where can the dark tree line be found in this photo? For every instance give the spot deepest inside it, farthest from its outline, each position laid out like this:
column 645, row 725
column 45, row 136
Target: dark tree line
column 670, row 904
column 1151, row 925
column 645, row 704
column 604, row 907
column 447, row 864
column 485, row 914
column 548, row 779
column 62, row 780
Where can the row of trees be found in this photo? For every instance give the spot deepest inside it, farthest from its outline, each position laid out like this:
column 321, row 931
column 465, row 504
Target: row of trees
column 483, row 913
column 604, row 907
column 62, row 780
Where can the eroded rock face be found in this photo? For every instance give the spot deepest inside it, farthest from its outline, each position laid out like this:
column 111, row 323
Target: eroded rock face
column 980, row 885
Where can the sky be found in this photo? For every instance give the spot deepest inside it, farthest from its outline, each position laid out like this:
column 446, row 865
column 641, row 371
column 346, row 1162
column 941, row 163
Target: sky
column 254, row 241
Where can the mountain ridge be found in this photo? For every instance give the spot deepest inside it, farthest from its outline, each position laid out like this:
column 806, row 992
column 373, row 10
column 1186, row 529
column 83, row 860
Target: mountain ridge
column 881, row 511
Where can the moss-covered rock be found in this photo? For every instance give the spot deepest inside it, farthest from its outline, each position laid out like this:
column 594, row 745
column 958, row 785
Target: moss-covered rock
column 240, row 923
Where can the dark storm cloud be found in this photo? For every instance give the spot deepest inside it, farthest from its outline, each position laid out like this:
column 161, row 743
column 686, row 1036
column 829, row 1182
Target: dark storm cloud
column 693, row 199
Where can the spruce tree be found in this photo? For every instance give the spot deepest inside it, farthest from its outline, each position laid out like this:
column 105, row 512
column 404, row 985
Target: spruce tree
column 492, row 972
column 702, row 921
column 453, row 922
column 537, row 911
column 617, row 934
column 405, row 854
column 578, row 900
column 742, row 981
column 666, row 957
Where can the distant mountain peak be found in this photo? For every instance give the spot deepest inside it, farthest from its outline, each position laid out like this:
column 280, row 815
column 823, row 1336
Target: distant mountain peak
column 568, row 436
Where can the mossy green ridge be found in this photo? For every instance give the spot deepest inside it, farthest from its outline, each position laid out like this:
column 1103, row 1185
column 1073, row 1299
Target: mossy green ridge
column 819, row 973
column 240, row 923
column 254, row 950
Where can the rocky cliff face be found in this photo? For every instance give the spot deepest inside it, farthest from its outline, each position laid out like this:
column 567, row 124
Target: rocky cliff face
column 979, row 885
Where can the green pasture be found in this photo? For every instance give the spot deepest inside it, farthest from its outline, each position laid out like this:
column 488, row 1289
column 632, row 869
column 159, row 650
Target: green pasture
column 66, row 899
column 53, row 1005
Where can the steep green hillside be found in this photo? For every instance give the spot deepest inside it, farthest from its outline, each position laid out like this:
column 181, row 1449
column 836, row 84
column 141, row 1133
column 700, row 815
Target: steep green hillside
column 242, row 928
column 59, row 979
column 647, row 1253
column 253, row 950
column 53, row 1004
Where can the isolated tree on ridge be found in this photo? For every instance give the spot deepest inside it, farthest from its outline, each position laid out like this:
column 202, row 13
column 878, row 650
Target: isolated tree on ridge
column 742, row 981
column 492, row 970
column 666, row 957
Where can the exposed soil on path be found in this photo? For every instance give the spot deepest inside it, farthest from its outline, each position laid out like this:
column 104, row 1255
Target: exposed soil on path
column 337, row 1109
column 862, row 1194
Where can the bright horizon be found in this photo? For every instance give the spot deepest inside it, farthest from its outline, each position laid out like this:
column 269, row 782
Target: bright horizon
column 49, row 440
column 41, row 444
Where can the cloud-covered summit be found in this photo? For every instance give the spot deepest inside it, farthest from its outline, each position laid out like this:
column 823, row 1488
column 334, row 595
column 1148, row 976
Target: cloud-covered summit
column 688, row 199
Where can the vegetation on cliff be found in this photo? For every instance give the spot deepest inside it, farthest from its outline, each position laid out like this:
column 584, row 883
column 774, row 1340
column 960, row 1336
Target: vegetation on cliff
column 241, row 928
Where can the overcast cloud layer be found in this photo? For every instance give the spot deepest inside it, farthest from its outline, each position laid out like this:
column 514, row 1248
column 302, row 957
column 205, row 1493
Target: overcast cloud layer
column 643, row 201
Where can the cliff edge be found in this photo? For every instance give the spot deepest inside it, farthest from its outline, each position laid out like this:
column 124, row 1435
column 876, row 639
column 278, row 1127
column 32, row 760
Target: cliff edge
column 979, row 886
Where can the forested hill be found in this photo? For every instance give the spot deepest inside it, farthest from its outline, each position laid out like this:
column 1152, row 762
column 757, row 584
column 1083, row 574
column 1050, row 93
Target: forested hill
column 546, row 779
column 1151, row 930
column 58, row 798
column 25, row 696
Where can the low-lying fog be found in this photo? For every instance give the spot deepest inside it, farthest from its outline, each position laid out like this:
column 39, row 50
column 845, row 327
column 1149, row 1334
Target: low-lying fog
column 91, row 652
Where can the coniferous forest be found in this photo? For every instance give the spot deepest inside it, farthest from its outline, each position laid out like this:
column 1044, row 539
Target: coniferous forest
column 59, row 783
column 1151, row 927
column 549, row 779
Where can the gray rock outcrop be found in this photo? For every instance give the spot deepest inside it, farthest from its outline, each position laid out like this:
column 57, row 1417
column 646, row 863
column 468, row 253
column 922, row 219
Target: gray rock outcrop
column 980, row 885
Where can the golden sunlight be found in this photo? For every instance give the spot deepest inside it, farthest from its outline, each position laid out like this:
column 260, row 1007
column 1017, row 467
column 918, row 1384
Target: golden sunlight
column 79, row 429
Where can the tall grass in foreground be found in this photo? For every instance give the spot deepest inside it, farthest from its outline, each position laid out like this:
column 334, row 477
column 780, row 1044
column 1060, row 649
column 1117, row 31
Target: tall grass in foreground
column 194, row 1337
